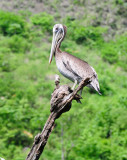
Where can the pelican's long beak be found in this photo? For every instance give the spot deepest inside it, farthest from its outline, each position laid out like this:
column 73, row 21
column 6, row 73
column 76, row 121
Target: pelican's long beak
column 54, row 45
column 53, row 48
column 56, row 40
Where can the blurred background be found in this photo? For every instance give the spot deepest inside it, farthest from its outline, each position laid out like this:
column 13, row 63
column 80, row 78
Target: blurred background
column 96, row 33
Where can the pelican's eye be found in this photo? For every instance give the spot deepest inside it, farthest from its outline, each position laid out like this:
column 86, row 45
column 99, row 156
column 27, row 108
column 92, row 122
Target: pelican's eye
column 56, row 30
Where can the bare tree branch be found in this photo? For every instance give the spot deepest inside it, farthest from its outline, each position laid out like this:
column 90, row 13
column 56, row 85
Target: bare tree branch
column 60, row 102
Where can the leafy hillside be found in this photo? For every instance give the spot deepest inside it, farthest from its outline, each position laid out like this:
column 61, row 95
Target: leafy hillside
column 93, row 130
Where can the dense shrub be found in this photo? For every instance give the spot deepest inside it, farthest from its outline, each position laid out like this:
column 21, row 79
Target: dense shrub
column 18, row 44
column 8, row 61
column 110, row 53
column 44, row 20
column 115, row 51
column 11, row 23
column 87, row 35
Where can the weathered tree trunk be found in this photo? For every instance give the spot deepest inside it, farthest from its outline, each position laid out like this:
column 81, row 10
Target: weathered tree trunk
column 60, row 103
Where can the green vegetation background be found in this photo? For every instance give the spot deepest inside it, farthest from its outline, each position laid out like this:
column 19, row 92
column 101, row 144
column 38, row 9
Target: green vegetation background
column 93, row 130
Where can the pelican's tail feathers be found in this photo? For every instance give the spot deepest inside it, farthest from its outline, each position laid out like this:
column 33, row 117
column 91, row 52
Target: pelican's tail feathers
column 94, row 82
column 95, row 85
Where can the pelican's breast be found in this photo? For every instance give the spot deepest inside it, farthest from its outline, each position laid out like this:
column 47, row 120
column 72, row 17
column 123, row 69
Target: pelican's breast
column 62, row 69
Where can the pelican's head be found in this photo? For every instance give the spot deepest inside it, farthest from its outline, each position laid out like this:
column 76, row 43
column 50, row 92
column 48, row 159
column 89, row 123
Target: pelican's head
column 58, row 36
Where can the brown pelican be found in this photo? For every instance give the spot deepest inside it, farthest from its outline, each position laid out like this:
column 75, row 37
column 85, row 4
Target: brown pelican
column 68, row 65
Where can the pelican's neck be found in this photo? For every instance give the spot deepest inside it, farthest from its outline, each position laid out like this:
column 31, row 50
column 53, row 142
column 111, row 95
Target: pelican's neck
column 58, row 48
column 59, row 44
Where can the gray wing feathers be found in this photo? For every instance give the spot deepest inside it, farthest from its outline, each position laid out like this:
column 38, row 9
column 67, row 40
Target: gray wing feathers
column 80, row 70
column 67, row 66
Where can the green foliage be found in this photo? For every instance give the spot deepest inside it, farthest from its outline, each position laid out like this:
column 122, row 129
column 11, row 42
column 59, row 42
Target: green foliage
column 110, row 53
column 18, row 44
column 11, row 23
column 8, row 64
column 87, row 35
column 79, row 2
column 100, row 140
column 44, row 20
column 119, row 2
column 116, row 51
